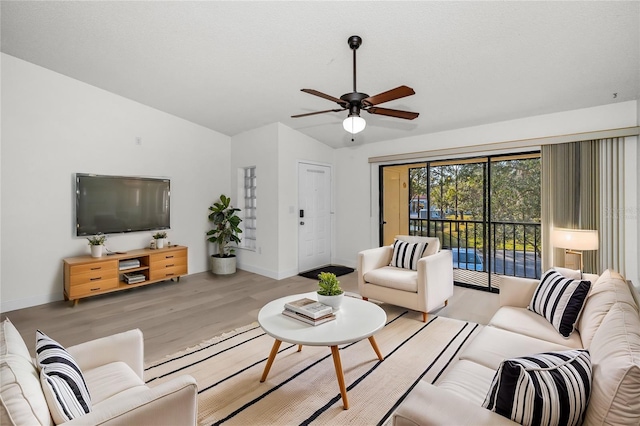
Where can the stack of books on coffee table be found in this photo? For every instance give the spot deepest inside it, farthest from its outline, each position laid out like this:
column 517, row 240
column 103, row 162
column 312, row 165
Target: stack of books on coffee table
column 309, row 311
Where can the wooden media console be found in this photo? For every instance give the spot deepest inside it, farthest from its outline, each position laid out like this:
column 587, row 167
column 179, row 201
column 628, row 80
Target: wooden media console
column 86, row 276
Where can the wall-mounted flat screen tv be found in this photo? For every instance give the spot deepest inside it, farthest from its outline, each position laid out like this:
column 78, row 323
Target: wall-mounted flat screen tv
column 116, row 204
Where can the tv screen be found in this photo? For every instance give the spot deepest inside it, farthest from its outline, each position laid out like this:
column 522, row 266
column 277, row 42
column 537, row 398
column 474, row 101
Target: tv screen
column 116, row 204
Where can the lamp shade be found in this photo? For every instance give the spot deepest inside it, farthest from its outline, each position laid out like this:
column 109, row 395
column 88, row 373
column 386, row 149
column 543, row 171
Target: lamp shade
column 354, row 124
column 576, row 239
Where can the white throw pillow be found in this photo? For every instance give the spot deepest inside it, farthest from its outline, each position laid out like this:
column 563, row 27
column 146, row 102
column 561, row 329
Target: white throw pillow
column 548, row 389
column 559, row 300
column 406, row 255
column 62, row 381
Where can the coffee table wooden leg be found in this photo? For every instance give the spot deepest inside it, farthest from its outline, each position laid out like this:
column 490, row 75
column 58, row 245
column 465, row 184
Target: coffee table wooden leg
column 299, row 348
column 338, row 365
column 374, row 345
column 272, row 356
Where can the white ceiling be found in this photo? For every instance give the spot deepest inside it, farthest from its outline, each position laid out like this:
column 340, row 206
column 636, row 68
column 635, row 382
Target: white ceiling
column 235, row 66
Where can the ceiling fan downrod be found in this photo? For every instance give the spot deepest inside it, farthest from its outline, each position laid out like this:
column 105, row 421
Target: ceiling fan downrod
column 354, row 42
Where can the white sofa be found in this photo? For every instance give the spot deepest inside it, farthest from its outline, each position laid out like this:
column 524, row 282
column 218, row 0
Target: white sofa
column 113, row 371
column 425, row 289
column 608, row 326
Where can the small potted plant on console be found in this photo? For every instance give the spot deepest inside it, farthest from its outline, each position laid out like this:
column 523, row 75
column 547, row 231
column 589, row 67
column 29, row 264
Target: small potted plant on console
column 96, row 242
column 225, row 230
column 329, row 292
column 160, row 237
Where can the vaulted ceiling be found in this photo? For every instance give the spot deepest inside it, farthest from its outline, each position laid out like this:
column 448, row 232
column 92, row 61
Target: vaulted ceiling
column 235, row 66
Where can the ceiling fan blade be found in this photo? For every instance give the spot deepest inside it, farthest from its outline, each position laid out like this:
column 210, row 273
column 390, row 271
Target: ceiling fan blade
column 317, row 112
column 407, row 115
column 324, row 95
column 389, row 95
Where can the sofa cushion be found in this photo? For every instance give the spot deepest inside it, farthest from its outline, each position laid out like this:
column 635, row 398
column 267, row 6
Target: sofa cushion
column 406, row 255
column 469, row 380
column 560, row 300
column 528, row 323
column 397, row 278
column 609, row 289
column 62, row 381
column 23, row 402
column 615, row 354
column 551, row 388
column 493, row 345
column 109, row 380
column 11, row 342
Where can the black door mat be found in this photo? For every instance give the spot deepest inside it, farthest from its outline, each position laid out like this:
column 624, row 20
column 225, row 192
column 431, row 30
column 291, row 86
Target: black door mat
column 338, row 270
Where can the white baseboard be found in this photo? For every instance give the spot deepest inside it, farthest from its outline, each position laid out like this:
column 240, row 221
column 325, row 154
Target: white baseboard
column 351, row 263
column 276, row 275
column 12, row 305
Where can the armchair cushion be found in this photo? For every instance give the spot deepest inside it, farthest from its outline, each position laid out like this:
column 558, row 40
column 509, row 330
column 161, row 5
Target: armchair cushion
column 111, row 379
column 560, row 300
column 62, row 381
column 391, row 277
column 406, row 255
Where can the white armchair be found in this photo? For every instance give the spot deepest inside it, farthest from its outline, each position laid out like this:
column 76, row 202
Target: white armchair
column 113, row 371
column 423, row 290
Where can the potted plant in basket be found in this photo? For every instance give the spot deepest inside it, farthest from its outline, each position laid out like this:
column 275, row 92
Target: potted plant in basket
column 225, row 230
column 160, row 238
column 329, row 292
column 96, row 242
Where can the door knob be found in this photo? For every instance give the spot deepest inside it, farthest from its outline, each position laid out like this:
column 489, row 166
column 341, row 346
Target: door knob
column 301, row 223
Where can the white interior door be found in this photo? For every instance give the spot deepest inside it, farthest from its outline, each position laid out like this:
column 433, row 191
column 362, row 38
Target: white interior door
column 314, row 216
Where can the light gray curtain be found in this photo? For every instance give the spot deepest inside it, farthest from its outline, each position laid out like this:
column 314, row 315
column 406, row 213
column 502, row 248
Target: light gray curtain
column 583, row 188
column 570, row 196
column 612, row 207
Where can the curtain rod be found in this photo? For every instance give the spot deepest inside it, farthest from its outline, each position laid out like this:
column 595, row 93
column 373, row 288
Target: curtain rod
column 519, row 143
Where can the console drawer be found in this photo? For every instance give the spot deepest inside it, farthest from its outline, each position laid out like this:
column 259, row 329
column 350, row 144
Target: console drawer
column 92, row 287
column 93, row 276
column 167, row 272
column 93, row 267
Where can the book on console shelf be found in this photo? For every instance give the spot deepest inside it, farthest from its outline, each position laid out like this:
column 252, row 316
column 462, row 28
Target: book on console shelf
column 306, row 319
column 129, row 264
column 133, row 278
column 308, row 307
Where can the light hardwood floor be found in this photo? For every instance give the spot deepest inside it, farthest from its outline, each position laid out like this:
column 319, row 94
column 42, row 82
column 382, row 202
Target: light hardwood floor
column 176, row 315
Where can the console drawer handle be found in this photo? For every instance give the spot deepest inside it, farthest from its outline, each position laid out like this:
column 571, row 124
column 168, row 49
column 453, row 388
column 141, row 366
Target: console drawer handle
column 95, row 279
column 168, row 257
column 168, row 275
column 96, row 268
column 95, row 289
column 169, row 266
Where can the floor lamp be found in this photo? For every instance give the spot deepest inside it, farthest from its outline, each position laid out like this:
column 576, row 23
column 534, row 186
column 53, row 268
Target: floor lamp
column 575, row 241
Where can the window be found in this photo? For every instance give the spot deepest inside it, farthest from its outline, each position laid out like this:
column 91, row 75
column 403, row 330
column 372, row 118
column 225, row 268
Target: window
column 247, row 184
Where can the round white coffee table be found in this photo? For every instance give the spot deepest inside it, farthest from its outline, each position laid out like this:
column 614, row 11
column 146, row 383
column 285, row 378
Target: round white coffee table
column 356, row 320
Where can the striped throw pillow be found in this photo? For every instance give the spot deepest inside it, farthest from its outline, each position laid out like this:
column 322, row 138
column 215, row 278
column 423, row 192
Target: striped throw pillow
column 551, row 388
column 560, row 300
column 406, row 255
column 62, row 381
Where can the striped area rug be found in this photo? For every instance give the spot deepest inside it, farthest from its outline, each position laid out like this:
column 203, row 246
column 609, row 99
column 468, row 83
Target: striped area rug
column 302, row 387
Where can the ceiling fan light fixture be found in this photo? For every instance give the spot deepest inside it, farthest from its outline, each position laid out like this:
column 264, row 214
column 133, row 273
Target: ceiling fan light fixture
column 354, row 124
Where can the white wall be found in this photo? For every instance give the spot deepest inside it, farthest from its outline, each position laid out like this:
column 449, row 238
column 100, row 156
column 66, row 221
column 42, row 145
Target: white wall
column 54, row 126
column 275, row 150
column 259, row 148
column 357, row 192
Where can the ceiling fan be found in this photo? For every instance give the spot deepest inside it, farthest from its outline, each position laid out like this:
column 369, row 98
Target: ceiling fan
column 356, row 101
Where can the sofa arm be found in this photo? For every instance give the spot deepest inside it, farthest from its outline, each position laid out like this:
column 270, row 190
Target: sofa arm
column 171, row 403
column 517, row 292
column 430, row 405
column 435, row 279
column 127, row 347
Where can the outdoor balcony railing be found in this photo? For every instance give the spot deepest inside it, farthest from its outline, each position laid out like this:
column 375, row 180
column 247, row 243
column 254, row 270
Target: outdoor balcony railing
column 504, row 248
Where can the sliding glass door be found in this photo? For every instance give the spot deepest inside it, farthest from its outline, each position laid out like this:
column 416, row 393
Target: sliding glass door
column 486, row 210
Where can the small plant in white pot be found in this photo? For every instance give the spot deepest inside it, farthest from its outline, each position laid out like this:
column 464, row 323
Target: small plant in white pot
column 329, row 292
column 225, row 230
column 160, row 238
column 97, row 242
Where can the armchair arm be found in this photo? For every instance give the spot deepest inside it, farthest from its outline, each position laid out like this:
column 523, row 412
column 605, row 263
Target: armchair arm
column 127, row 347
column 171, row 403
column 371, row 259
column 435, row 279
column 430, row 405
column 517, row 292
